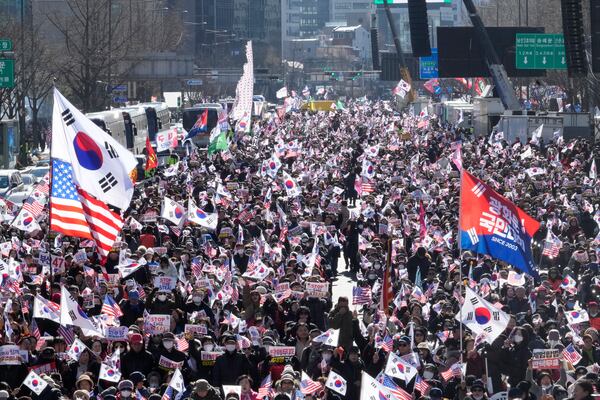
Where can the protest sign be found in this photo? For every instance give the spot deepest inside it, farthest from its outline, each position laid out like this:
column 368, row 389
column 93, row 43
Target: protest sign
column 545, row 359
column 155, row 324
column 317, row 289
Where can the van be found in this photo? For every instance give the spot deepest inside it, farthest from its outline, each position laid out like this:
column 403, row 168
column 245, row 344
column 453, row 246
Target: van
column 10, row 180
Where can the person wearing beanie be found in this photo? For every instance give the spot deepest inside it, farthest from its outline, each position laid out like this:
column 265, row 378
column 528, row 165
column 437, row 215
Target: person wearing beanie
column 202, row 390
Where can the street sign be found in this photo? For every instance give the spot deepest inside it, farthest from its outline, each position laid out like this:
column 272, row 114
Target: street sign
column 5, row 45
column 119, row 88
column 540, row 51
column 7, row 73
column 194, row 82
column 428, row 66
column 120, row 99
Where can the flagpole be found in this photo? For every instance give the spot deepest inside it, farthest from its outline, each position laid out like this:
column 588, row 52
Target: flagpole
column 50, row 196
column 460, row 267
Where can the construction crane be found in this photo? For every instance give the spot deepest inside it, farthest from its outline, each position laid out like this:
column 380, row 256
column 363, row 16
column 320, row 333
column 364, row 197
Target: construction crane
column 497, row 70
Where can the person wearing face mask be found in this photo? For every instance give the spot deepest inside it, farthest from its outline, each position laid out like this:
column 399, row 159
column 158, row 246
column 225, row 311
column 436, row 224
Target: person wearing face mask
column 132, row 308
column 168, row 351
column 240, row 257
column 199, row 302
column 200, row 368
column 544, row 385
column 158, row 302
column 350, row 369
column 594, row 314
column 137, row 358
column 125, row 390
column 230, row 365
column 515, row 355
column 477, row 391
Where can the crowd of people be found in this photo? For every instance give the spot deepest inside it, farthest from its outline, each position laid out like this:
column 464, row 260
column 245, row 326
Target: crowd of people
column 244, row 311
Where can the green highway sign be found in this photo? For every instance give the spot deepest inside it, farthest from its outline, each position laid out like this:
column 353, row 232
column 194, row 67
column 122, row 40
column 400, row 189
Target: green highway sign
column 7, row 73
column 5, row 45
column 540, row 51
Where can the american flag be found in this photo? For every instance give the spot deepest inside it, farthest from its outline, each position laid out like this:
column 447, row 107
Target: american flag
column 265, row 388
column 368, row 186
column 168, row 394
column 388, row 343
column 361, row 295
column 34, row 330
column 387, row 291
column 34, row 207
column 182, row 344
column 67, row 333
column 394, row 389
column 454, row 371
column 74, row 212
column 308, row 386
column 421, row 385
column 196, row 266
column 552, row 246
column 571, row 354
column 110, row 307
column 138, row 395
column 176, row 230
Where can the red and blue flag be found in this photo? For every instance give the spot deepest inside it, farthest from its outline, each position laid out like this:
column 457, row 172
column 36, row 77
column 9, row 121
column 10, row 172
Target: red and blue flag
column 491, row 224
column 200, row 126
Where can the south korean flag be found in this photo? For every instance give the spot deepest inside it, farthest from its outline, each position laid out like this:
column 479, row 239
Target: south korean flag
column 482, row 317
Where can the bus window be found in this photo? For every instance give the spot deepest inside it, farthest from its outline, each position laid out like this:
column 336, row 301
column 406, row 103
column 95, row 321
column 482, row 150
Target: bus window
column 152, row 123
column 129, row 130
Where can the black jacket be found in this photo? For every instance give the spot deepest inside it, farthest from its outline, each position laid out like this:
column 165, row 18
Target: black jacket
column 228, row 367
column 132, row 361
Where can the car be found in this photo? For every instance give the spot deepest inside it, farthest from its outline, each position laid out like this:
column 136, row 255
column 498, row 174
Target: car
column 10, row 181
column 38, row 172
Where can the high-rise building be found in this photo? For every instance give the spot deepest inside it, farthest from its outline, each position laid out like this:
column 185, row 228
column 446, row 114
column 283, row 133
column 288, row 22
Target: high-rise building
column 259, row 21
column 352, row 12
column 302, row 19
column 213, row 27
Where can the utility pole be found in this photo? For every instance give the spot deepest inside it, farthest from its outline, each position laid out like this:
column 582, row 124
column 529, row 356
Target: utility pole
column 404, row 72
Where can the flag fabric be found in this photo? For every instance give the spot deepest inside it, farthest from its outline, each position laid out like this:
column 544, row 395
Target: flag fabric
column 455, row 371
column 25, row 221
column 182, row 343
column 273, row 165
column 177, row 381
column 368, row 169
column 491, row 224
column 265, row 388
column 482, row 317
column 396, row 391
column 168, row 394
column 388, row 343
column 457, row 156
column 552, row 245
column 35, row 331
column 291, row 187
column 367, row 186
column 571, row 354
column 67, row 333
column 35, row 382
column 537, row 135
column 308, row 386
column 99, row 164
column 336, row 383
column 422, row 224
column 72, row 314
column 45, row 309
column 398, row 368
column 77, row 347
column 244, row 90
column 219, row 144
column 109, row 373
column 361, row 295
column 421, row 385
column 172, row 211
column 593, row 174
column 387, row 290
column 74, row 212
column 198, row 216
column 200, row 126
column 576, row 316
column 281, row 93
column 151, row 160
column 110, row 307
column 330, row 337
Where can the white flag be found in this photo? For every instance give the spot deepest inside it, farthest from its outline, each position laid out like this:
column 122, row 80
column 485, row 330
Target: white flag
column 45, row 309
column 34, row 382
column 482, row 317
column 177, row 381
column 101, row 165
column 370, row 389
column 281, row 93
column 291, row 187
column 25, row 222
column 72, row 314
column 172, row 211
column 109, row 373
column 593, row 173
column 172, row 170
column 198, row 216
column 576, row 316
column 398, row 368
column 76, row 349
column 329, row 338
column 336, row 383
column 273, row 164
column 163, row 141
column 537, row 135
